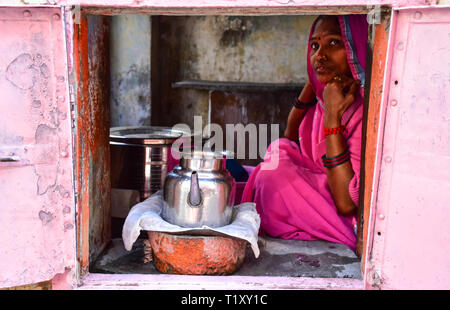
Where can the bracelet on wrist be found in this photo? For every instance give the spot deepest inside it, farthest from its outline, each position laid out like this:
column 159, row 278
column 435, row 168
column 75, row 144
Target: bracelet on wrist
column 330, row 162
column 333, row 131
column 303, row 105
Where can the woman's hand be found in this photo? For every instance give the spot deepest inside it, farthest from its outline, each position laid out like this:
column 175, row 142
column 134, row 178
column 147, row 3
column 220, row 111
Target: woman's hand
column 338, row 95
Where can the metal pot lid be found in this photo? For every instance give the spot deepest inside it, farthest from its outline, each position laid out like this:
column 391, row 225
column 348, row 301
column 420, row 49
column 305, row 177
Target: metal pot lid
column 198, row 154
column 146, row 134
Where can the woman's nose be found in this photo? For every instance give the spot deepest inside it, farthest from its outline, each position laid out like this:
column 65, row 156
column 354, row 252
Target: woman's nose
column 321, row 54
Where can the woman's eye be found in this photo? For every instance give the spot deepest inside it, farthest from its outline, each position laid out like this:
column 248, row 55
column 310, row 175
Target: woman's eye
column 334, row 42
column 314, row 45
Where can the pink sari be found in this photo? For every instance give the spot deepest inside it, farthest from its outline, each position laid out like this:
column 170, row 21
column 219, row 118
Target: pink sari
column 294, row 200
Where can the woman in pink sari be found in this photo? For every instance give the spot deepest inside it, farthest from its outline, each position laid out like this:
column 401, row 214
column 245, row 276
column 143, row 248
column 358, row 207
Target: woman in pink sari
column 313, row 192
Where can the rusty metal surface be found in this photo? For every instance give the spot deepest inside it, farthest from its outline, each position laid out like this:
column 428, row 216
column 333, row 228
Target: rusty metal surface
column 36, row 184
column 92, row 157
column 371, row 135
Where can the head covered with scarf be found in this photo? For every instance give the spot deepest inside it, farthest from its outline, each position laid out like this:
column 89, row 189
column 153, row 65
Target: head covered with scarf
column 354, row 31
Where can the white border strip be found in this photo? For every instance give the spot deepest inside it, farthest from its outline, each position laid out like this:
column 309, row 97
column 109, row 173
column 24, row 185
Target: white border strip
column 98, row 281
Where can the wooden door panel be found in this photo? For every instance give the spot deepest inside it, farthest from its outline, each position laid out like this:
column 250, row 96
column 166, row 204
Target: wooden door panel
column 36, row 170
column 409, row 229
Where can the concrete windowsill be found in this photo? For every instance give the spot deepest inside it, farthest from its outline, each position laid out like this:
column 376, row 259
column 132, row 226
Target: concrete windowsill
column 278, row 258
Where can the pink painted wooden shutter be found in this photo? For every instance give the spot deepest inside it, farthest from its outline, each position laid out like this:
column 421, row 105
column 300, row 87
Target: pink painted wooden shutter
column 410, row 219
column 37, row 227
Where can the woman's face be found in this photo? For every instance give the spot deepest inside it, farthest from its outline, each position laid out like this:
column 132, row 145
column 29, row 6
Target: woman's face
column 328, row 56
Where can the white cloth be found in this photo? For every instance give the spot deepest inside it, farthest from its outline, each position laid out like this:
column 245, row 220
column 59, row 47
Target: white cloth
column 146, row 215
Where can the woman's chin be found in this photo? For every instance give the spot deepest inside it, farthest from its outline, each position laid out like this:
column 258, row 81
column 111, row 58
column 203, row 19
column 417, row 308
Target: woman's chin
column 324, row 78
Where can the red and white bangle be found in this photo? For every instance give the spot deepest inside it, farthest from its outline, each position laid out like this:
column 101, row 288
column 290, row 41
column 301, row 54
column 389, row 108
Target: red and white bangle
column 333, row 131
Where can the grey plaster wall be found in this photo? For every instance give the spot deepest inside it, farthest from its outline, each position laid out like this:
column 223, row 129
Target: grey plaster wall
column 266, row 49
column 130, row 70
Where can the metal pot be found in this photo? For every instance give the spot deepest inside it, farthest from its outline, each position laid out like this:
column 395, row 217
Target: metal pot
column 200, row 191
column 140, row 157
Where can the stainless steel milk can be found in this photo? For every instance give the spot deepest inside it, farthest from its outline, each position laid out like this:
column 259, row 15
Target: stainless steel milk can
column 199, row 191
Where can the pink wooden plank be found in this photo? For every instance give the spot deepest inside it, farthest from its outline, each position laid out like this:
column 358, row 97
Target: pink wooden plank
column 37, row 206
column 240, row 3
column 184, row 282
column 410, row 215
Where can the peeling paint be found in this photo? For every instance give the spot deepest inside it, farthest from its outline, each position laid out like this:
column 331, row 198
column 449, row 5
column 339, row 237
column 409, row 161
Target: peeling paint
column 45, row 217
column 130, row 97
column 62, row 191
column 130, row 70
column 47, row 173
column 36, row 103
column 21, row 72
column 45, row 71
column 235, row 30
column 68, row 226
column 66, row 210
column 92, row 136
column 7, row 137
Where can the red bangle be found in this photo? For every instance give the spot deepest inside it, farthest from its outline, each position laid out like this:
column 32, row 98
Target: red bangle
column 333, row 131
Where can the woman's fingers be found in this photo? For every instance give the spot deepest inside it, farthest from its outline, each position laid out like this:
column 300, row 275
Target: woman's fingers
column 339, row 94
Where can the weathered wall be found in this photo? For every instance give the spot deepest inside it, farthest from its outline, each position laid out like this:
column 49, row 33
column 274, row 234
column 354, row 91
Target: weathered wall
column 96, row 131
column 130, row 70
column 258, row 49
column 265, row 49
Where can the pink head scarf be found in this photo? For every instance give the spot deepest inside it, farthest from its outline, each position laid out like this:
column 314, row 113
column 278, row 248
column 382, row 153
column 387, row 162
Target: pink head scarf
column 354, row 31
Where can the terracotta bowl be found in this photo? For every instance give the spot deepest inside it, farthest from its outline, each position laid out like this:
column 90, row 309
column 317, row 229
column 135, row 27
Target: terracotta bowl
column 196, row 255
